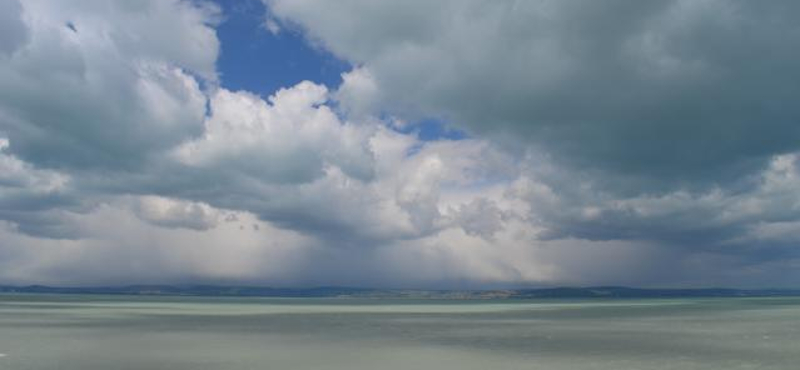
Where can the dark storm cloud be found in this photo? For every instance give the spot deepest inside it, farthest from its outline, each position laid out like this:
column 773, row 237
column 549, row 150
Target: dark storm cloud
column 680, row 91
column 13, row 32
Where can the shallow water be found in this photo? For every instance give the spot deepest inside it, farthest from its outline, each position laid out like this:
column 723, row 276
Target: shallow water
column 104, row 332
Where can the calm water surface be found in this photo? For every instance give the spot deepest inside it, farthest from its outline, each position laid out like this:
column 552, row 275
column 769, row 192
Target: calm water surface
column 96, row 332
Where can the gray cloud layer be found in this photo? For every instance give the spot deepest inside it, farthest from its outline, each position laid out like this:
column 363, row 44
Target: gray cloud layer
column 647, row 143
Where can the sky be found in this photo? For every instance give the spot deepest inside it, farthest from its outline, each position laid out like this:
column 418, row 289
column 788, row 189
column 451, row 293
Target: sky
column 414, row 144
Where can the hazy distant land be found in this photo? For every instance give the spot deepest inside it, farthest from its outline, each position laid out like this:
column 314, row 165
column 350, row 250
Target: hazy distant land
column 341, row 292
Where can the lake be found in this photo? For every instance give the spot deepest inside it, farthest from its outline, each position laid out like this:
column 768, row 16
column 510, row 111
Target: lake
column 75, row 332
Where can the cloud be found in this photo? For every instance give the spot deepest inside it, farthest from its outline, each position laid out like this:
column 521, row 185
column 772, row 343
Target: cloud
column 293, row 162
column 13, row 30
column 290, row 139
column 644, row 150
column 677, row 92
column 121, row 248
column 115, row 87
column 175, row 213
column 31, row 197
column 682, row 217
column 272, row 26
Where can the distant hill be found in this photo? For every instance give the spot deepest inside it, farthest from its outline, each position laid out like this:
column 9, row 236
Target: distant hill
column 330, row 292
column 624, row 292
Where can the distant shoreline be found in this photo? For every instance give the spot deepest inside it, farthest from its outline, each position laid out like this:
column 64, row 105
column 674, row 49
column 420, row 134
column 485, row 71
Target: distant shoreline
column 346, row 292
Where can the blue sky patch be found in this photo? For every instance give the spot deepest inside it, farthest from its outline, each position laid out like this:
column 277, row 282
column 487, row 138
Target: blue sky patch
column 254, row 59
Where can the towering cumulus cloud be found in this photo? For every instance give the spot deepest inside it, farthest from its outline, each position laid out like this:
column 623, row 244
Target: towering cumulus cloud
column 617, row 142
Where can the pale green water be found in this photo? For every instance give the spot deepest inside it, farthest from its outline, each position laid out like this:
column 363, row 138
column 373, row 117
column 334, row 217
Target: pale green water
column 94, row 332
